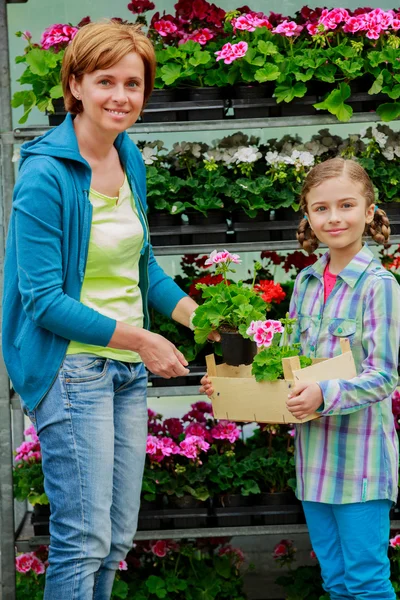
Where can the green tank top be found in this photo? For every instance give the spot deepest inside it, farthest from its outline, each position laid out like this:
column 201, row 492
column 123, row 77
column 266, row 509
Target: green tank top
column 111, row 282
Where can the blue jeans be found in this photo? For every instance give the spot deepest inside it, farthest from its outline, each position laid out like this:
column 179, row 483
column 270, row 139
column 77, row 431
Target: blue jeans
column 351, row 543
column 92, row 427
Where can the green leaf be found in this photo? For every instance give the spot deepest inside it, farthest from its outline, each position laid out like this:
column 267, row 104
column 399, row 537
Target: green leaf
column 200, row 58
column 25, row 99
column 392, row 92
column 56, row 91
column 170, row 73
column 120, row 589
column 389, row 111
column 287, row 92
column 269, row 72
column 156, row 586
column 41, row 61
column 326, row 73
column 335, row 103
column 377, row 85
column 267, row 48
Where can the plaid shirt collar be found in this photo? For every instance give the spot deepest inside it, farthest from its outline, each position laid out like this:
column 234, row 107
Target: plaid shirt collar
column 351, row 273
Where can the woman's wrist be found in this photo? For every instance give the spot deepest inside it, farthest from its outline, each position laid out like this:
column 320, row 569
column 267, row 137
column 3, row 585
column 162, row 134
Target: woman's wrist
column 127, row 337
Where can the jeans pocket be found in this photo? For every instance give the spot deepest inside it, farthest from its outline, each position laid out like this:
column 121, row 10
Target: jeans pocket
column 83, row 368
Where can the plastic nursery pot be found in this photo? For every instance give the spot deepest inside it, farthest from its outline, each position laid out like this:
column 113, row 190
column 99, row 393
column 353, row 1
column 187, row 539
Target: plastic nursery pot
column 59, row 114
column 164, row 219
column 214, row 217
column 186, row 501
column 237, row 350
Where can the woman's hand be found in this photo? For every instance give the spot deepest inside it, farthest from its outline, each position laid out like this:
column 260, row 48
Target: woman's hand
column 161, row 357
column 214, row 336
column 158, row 354
column 206, row 386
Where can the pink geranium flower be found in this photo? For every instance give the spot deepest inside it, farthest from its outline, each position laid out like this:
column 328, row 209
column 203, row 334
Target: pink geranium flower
column 216, row 258
column 226, row 430
column 263, row 332
column 395, row 542
column 23, row 562
column 165, row 27
column 192, row 445
column 202, row 36
column 123, row 565
column 37, row 566
column 160, row 548
column 57, row 35
column 332, row 18
column 288, row 28
column 231, row 52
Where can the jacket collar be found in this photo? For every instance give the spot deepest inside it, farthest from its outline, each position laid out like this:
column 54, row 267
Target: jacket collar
column 350, row 274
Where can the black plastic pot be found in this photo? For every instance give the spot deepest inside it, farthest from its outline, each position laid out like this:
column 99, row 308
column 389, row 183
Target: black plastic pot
column 59, row 114
column 233, row 500
column 239, row 216
column 237, row 350
column 186, row 501
column 249, row 92
column 276, row 498
column 40, row 519
column 163, row 219
column 214, row 217
column 285, row 214
column 392, row 209
column 162, row 96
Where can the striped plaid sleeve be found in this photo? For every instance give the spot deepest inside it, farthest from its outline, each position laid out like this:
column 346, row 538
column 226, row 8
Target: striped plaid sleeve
column 380, row 341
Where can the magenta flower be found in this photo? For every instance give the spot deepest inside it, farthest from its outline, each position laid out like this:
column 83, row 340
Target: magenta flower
column 192, row 445
column 263, row 332
column 226, row 430
column 332, row 18
column 27, row 35
column 57, row 35
column 288, row 28
column 249, row 22
column 123, row 565
column 216, row 258
column 197, row 429
column 202, row 406
column 37, row 566
column 138, row 7
column 231, row 52
column 201, row 36
column 23, row 562
column 160, row 548
column 395, row 542
column 165, row 27
column 234, row 553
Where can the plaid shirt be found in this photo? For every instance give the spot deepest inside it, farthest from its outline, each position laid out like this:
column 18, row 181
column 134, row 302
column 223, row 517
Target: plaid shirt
column 350, row 454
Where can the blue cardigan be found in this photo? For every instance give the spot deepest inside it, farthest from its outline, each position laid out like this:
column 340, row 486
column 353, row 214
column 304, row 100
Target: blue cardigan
column 46, row 256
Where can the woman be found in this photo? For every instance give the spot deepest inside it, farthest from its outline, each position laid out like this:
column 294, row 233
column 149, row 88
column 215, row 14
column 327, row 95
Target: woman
column 80, row 276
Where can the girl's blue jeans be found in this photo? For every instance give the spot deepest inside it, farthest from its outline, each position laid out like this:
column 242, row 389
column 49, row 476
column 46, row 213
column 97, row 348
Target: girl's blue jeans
column 351, row 543
column 92, row 427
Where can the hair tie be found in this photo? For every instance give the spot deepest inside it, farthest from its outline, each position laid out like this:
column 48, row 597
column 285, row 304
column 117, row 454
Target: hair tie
column 305, row 217
column 376, row 208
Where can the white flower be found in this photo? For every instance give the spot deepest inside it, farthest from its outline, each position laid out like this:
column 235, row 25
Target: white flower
column 363, row 132
column 174, row 209
column 16, row 155
column 149, row 155
column 196, row 150
column 397, row 151
column 302, row 159
column 272, row 158
column 380, row 137
column 247, row 154
column 388, row 153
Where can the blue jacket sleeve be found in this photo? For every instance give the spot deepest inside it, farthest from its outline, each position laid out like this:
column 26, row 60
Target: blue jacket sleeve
column 38, row 219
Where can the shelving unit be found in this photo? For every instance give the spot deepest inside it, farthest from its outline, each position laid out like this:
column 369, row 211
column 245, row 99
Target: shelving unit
column 11, row 417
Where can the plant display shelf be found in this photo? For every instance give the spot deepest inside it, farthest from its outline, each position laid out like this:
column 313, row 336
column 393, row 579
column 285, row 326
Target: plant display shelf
column 26, row 541
column 25, row 133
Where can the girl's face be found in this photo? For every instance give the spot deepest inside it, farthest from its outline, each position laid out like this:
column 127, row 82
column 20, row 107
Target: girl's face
column 112, row 98
column 337, row 212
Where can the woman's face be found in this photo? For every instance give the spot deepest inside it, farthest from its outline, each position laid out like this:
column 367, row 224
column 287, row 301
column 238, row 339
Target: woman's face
column 112, row 98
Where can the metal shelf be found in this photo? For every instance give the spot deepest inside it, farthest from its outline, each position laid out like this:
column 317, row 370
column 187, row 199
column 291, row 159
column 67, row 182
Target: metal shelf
column 240, row 247
column 27, row 541
column 179, row 390
column 23, row 133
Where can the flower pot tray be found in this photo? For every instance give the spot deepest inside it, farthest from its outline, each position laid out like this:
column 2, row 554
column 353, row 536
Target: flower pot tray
column 238, row 397
column 181, row 518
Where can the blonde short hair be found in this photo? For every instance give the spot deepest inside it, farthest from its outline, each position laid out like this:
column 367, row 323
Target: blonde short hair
column 378, row 229
column 100, row 46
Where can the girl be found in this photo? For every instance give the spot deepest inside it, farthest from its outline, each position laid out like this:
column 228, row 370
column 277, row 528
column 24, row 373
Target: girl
column 347, row 460
column 80, row 276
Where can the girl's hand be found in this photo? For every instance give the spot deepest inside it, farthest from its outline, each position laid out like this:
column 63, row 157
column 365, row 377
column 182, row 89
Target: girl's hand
column 304, row 399
column 206, row 386
column 214, row 336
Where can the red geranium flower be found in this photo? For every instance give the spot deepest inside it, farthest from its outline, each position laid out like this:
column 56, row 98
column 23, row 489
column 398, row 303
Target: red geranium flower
column 138, row 7
column 207, row 279
column 271, row 291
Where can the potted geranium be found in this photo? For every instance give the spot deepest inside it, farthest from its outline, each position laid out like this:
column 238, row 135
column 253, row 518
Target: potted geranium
column 230, row 308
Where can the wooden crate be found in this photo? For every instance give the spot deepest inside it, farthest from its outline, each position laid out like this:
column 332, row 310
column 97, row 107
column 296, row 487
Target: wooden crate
column 238, row 397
